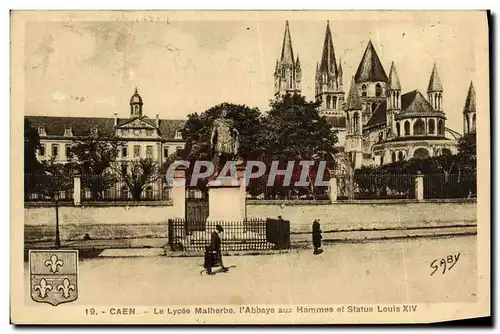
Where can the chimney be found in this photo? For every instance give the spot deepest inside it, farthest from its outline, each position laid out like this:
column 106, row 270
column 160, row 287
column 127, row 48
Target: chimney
column 116, row 118
column 157, row 120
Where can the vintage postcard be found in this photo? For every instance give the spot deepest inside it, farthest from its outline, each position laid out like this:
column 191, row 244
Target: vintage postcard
column 253, row 167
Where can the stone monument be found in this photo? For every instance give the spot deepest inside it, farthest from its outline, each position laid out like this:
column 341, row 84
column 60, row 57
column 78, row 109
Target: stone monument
column 226, row 198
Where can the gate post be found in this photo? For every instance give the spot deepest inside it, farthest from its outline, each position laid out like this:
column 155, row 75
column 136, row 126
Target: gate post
column 419, row 186
column 179, row 192
column 333, row 189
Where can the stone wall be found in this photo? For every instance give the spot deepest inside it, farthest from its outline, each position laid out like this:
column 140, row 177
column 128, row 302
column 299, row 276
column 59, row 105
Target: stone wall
column 368, row 215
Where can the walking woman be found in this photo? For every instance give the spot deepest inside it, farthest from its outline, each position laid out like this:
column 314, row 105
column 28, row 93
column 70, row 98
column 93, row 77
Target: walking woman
column 316, row 236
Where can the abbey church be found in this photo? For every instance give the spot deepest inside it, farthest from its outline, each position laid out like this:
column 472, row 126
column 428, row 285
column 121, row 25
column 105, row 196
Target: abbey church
column 377, row 122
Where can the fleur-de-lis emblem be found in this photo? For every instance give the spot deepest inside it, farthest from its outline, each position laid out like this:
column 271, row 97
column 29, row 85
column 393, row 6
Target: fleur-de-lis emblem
column 53, row 263
column 66, row 287
column 42, row 288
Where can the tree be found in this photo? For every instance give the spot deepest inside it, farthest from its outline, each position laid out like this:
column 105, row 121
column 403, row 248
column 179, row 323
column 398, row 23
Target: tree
column 54, row 179
column 467, row 154
column 138, row 174
column 94, row 157
column 293, row 130
column 31, row 145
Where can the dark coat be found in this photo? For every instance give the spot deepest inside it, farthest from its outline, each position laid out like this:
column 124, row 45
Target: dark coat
column 213, row 255
column 316, row 234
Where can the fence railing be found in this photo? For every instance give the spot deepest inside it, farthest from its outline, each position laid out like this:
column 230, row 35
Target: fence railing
column 251, row 234
column 258, row 191
column 370, row 186
column 450, row 186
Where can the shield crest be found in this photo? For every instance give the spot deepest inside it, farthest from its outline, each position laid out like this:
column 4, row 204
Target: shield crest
column 54, row 276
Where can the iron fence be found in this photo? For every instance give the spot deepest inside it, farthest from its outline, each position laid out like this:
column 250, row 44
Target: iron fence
column 450, row 186
column 259, row 191
column 250, row 234
column 105, row 188
column 33, row 192
column 376, row 186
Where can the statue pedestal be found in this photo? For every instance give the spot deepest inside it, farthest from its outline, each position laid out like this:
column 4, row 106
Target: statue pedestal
column 226, row 199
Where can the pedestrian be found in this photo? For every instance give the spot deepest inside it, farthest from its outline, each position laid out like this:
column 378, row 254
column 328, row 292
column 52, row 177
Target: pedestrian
column 316, row 236
column 213, row 254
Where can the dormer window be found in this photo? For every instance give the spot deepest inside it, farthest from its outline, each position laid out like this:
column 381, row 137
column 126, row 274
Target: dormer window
column 94, row 131
column 68, row 132
column 41, row 131
column 178, row 134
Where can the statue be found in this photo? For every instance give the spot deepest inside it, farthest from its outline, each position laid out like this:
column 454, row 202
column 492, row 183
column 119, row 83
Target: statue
column 224, row 141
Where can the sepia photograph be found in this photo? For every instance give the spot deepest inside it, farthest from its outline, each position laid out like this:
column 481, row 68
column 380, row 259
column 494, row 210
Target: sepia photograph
column 249, row 167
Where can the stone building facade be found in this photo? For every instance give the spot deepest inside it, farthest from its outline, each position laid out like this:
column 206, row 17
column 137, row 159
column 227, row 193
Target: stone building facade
column 141, row 136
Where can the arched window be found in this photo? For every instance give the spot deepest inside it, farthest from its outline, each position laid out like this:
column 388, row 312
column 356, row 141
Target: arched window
column 355, row 121
column 166, row 193
column 407, row 128
column 378, row 90
column 474, row 122
column 149, row 192
column 400, row 156
column 441, row 127
column 419, row 127
column 334, row 102
column 363, row 90
column 397, row 100
column 446, row 151
column 374, row 106
column 328, row 101
column 421, row 153
column 380, row 137
column 381, row 160
column 467, row 122
column 432, row 126
column 124, row 193
column 398, row 129
column 393, row 157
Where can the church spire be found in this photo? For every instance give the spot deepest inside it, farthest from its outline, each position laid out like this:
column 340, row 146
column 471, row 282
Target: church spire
column 287, row 49
column 470, row 101
column 435, row 84
column 393, row 82
column 328, row 62
column 353, row 102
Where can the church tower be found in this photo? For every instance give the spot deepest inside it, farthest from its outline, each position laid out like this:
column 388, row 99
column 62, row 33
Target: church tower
column 136, row 105
column 393, row 101
column 354, row 137
column 287, row 73
column 328, row 86
column 435, row 90
column 470, row 111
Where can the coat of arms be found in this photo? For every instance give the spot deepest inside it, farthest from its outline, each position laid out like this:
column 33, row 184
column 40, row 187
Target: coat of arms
column 53, row 276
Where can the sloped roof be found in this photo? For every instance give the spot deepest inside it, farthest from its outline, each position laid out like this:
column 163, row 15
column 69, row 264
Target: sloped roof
column 370, row 69
column 82, row 126
column 287, row 50
column 353, row 102
column 378, row 117
column 393, row 82
column 435, row 84
column 328, row 62
column 414, row 104
column 470, row 101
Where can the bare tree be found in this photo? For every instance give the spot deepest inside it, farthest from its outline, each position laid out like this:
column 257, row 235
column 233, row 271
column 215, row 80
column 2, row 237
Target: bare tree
column 138, row 174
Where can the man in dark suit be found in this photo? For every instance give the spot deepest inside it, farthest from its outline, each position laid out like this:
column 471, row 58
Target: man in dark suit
column 213, row 253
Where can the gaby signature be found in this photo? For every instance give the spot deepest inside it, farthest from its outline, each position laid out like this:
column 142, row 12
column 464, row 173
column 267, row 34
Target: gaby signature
column 445, row 263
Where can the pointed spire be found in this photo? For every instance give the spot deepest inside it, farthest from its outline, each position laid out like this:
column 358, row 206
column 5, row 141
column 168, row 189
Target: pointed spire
column 393, row 82
column 136, row 90
column 435, row 81
column 328, row 61
column 340, row 67
column 370, row 68
column 470, row 102
column 297, row 63
column 353, row 102
column 276, row 67
column 287, row 50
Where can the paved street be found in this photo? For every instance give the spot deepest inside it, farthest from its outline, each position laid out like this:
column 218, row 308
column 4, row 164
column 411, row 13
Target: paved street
column 375, row 272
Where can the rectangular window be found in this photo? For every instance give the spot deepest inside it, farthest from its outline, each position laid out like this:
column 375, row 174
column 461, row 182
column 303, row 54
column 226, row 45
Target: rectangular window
column 137, row 151
column 68, row 151
column 178, row 134
column 41, row 151
column 124, row 151
column 41, row 130
column 149, row 151
column 68, row 132
column 149, row 132
column 165, row 152
column 55, row 150
column 178, row 150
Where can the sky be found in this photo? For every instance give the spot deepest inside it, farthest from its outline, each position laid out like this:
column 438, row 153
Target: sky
column 183, row 63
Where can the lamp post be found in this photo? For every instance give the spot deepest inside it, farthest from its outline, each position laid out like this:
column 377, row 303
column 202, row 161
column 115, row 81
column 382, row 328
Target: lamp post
column 58, row 240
